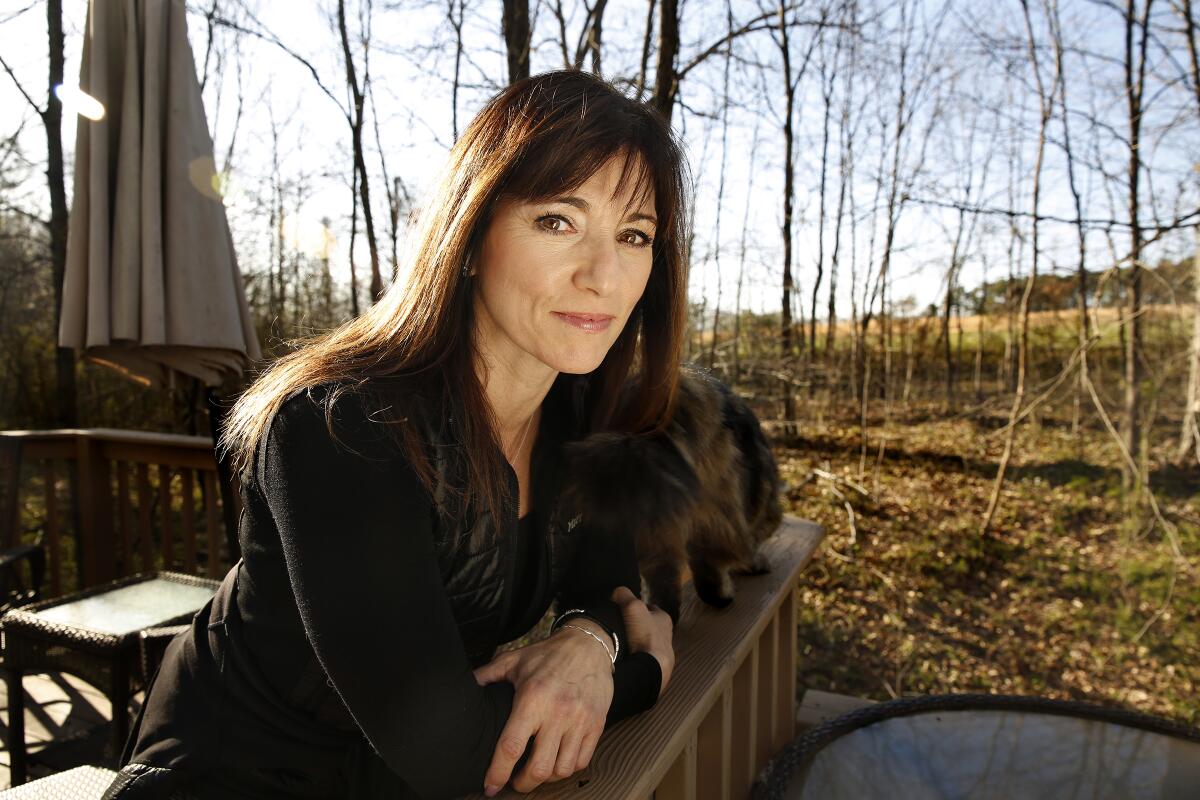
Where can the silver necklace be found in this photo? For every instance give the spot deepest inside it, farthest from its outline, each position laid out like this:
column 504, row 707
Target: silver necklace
column 524, row 436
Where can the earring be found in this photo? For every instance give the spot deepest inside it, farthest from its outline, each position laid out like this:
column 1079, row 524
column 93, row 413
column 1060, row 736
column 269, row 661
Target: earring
column 466, row 266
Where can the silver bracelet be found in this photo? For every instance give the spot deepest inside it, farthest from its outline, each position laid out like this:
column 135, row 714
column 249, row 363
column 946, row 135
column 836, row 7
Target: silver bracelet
column 571, row 613
column 611, row 655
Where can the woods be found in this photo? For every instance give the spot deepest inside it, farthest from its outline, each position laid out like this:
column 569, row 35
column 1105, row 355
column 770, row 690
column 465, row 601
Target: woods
column 979, row 217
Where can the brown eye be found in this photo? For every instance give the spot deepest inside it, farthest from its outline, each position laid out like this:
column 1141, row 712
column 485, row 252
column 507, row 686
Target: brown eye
column 546, row 223
column 639, row 238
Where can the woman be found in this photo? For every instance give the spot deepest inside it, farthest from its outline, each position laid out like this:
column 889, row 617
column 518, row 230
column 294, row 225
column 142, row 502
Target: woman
column 400, row 481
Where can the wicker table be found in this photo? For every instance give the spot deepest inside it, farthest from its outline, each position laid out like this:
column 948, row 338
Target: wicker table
column 93, row 634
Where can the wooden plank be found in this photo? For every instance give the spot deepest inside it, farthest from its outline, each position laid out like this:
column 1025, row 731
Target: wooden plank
column 145, row 532
column 713, row 773
column 210, row 519
column 680, row 781
column 785, row 698
column 167, row 546
column 125, row 518
column 95, row 523
column 160, row 454
column 745, row 720
column 53, row 538
column 56, row 436
column 188, row 511
column 32, row 449
column 710, row 644
column 767, row 684
column 10, row 517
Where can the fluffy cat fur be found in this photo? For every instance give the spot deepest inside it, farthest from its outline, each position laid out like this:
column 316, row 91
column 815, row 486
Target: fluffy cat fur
column 704, row 495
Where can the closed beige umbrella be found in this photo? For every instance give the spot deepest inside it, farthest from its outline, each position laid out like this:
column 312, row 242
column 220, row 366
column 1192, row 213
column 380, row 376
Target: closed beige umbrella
column 152, row 286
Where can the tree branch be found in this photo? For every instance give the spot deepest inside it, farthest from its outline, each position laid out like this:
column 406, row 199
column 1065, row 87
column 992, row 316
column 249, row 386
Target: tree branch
column 40, row 112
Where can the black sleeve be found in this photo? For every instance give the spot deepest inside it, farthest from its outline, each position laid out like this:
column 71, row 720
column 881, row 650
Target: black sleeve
column 601, row 564
column 357, row 536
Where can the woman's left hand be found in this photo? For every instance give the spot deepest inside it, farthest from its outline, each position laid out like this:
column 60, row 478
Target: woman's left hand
column 564, row 688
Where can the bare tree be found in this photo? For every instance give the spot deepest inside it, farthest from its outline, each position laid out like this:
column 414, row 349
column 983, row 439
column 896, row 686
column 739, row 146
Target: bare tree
column 737, row 301
column 66, row 413
column 590, row 37
column 640, row 85
column 1045, row 111
column 725, row 103
column 790, row 83
column 358, row 107
column 665, row 79
column 1135, row 84
column 828, row 67
column 516, row 30
column 1189, row 434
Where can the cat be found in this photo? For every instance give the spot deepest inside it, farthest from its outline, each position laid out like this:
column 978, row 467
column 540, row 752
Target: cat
column 704, row 494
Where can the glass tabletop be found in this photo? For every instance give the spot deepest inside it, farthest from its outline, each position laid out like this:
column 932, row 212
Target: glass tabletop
column 1000, row 754
column 130, row 608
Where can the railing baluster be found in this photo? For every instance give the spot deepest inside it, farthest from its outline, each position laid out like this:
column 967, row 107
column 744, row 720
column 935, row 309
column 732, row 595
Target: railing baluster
column 164, row 508
column 10, row 453
column 767, row 663
column 188, row 510
column 125, row 517
column 745, row 719
column 680, row 781
column 785, row 708
column 95, row 564
column 52, row 535
column 145, row 534
column 210, row 516
column 713, row 771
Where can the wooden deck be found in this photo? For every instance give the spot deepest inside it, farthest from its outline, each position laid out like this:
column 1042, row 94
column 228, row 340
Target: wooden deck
column 65, row 724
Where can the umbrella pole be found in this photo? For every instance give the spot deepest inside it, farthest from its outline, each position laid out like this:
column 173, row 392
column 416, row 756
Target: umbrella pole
column 216, row 418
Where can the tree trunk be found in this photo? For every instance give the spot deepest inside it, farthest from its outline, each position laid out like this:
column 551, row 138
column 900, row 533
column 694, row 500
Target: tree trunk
column 712, row 351
column 1189, row 438
column 785, row 333
column 640, row 87
column 360, row 163
column 64, row 357
column 1133, row 343
column 1046, row 104
column 515, row 27
column 665, row 85
column 1189, row 435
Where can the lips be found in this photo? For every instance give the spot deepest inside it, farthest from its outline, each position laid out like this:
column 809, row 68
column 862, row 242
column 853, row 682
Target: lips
column 591, row 323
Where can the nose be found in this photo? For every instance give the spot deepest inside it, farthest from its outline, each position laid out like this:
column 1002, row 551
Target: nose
column 599, row 267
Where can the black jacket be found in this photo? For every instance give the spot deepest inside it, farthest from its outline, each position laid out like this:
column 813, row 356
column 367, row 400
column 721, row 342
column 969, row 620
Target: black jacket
column 336, row 659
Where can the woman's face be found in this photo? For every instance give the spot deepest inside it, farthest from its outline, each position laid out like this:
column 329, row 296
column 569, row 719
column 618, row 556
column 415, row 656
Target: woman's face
column 556, row 281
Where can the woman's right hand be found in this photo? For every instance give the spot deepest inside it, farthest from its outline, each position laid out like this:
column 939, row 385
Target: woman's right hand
column 648, row 629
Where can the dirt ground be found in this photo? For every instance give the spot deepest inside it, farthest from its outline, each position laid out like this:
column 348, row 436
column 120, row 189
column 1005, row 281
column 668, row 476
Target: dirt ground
column 1070, row 596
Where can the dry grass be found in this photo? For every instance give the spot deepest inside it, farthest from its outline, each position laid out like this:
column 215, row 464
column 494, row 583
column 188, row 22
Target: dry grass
column 1055, row 603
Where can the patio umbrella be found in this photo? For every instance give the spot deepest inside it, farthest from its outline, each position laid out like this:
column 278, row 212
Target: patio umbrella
column 152, row 286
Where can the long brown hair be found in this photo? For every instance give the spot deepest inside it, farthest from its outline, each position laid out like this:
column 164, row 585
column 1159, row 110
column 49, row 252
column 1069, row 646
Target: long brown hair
column 539, row 137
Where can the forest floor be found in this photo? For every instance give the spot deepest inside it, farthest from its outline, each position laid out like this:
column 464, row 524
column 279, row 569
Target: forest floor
column 1065, row 598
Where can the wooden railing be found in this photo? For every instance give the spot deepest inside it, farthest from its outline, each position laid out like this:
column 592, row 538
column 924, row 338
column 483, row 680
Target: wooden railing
column 731, row 703
column 127, row 501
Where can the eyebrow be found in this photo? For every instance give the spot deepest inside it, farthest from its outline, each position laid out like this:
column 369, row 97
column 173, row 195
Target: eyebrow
column 583, row 205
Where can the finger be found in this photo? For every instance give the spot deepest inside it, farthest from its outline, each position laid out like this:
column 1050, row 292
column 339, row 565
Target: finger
column 622, row 595
column 493, row 671
column 540, row 767
column 568, row 753
column 509, row 749
column 587, row 748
